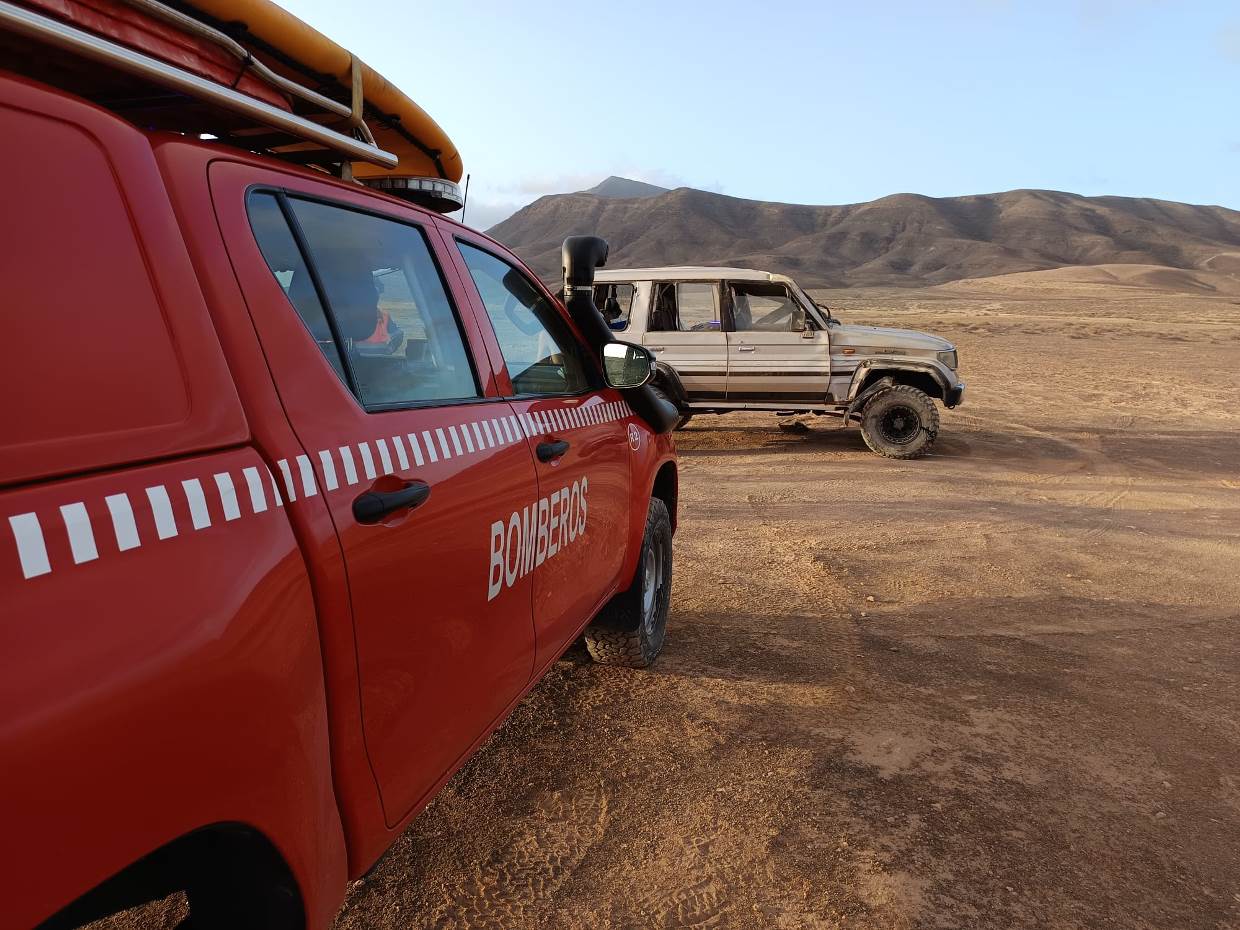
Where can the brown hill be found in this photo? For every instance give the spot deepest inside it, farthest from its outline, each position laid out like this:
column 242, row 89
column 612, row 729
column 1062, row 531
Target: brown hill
column 902, row 240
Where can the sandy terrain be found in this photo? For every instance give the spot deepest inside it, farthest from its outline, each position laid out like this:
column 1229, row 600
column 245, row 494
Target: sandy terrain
column 998, row 687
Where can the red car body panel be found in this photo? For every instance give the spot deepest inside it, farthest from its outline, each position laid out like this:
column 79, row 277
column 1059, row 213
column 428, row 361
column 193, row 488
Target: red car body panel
column 196, row 629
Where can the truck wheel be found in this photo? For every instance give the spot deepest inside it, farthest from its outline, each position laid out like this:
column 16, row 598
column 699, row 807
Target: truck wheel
column 630, row 630
column 900, row 422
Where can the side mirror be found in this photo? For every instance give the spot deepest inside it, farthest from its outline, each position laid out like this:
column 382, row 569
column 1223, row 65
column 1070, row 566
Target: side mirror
column 626, row 365
column 798, row 320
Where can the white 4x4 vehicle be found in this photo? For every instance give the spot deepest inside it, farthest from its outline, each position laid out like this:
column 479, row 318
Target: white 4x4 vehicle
column 752, row 340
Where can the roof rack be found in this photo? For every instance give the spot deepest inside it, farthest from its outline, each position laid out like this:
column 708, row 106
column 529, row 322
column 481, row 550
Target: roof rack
column 105, row 51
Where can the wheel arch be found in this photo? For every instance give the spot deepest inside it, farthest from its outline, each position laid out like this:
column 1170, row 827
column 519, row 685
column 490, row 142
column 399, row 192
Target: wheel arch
column 924, row 377
column 666, row 487
column 221, row 864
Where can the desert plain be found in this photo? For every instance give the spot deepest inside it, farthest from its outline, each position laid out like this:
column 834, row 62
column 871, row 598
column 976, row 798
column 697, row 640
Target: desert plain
column 998, row 687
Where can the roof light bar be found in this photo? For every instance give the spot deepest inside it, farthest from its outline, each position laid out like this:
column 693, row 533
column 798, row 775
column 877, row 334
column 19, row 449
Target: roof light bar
column 433, row 193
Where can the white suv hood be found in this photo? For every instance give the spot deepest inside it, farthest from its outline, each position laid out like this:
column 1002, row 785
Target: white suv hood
column 883, row 337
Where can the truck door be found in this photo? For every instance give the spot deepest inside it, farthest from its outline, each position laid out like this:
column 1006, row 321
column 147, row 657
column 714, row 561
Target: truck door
column 387, row 385
column 683, row 329
column 572, row 535
column 775, row 350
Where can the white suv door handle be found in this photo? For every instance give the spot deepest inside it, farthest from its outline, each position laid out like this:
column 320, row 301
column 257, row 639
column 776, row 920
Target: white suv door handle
column 655, row 348
column 746, row 348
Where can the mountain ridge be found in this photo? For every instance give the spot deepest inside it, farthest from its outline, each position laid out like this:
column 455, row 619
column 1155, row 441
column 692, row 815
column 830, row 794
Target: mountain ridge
column 903, row 239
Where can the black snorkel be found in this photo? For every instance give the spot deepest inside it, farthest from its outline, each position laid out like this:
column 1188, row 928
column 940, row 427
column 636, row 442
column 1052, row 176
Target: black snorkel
column 581, row 255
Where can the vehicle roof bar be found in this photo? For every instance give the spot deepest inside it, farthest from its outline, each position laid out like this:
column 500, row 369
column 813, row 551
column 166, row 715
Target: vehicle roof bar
column 88, row 45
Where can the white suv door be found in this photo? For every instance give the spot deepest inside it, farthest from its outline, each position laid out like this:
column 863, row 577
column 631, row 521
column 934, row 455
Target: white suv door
column 684, row 331
column 775, row 352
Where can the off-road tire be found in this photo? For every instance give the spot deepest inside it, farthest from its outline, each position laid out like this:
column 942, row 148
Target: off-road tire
column 630, row 630
column 900, row 422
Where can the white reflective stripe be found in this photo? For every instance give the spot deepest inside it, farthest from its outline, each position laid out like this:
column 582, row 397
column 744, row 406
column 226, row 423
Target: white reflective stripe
column 122, row 521
column 329, row 470
column 456, row 440
column 430, row 445
column 258, row 497
column 469, row 440
column 401, row 455
column 275, row 489
column 574, row 414
column 486, row 428
column 346, row 460
column 416, row 449
column 527, row 422
column 81, row 535
column 309, row 486
column 228, row 495
column 368, row 460
column 31, row 549
column 507, row 424
column 161, row 507
column 443, row 443
column 478, row 435
column 289, row 491
column 198, row 513
column 385, row 458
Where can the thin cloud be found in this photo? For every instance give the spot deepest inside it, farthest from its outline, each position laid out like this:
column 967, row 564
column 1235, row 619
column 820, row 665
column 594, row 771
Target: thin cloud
column 1228, row 41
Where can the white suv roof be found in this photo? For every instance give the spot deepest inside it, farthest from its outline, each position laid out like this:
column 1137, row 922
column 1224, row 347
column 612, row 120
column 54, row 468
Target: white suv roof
column 685, row 272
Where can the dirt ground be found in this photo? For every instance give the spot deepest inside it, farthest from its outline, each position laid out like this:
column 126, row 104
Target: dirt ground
column 997, row 687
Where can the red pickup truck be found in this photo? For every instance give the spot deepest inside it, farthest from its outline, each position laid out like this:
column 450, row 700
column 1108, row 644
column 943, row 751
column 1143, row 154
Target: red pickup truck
column 302, row 487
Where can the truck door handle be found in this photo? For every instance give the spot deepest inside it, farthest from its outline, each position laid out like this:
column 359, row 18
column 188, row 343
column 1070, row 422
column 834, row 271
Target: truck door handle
column 552, row 450
column 372, row 506
column 746, row 348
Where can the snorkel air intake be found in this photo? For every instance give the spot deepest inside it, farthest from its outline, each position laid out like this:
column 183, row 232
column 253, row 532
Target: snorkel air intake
column 580, row 256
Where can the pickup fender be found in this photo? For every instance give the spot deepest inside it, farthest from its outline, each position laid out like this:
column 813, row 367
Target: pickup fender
column 653, row 472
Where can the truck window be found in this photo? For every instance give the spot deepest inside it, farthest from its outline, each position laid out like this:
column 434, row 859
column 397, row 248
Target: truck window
column 539, row 349
column 763, row 306
column 382, row 317
column 280, row 250
column 687, row 307
column 615, row 301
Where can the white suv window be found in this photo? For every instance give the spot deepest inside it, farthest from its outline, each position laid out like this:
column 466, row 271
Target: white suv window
column 763, row 306
column 687, row 307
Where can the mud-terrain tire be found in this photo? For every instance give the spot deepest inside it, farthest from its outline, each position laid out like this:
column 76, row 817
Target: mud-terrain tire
column 900, row 422
column 630, row 630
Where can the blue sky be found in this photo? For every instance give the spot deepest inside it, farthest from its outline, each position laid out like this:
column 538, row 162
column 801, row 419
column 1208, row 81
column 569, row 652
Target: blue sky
column 826, row 102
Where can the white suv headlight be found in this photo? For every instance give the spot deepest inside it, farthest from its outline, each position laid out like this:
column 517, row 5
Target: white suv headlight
column 949, row 359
